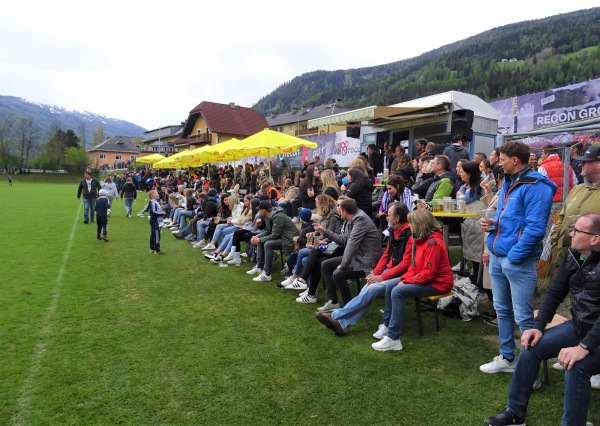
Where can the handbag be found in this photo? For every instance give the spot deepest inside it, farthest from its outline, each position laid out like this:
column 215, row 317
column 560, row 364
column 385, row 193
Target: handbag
column 331, row 248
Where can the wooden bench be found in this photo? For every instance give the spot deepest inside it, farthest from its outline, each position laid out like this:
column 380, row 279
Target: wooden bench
column 428, row 303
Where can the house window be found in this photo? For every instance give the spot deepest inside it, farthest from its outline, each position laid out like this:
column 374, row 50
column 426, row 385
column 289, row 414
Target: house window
column 117, row 157
column 291, row 127
column 103, row 156
column 133, row 158
column 281, row 130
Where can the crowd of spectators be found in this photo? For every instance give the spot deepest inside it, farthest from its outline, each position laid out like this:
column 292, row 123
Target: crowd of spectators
column 335, row 226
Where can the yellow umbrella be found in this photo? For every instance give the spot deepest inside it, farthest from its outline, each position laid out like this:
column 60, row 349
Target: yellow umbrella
column 268, row 143
column 175, row 161
column 150, row 159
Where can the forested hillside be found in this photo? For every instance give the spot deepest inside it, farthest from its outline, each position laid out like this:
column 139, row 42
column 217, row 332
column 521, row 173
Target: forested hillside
column 550, row 52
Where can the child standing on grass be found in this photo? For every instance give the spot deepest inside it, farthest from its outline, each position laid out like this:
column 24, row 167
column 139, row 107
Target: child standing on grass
column 156, row 219
column 102, row 209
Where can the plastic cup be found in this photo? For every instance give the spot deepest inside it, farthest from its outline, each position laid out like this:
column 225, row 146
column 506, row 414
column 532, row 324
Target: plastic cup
column 488, row 215
column 447, row 206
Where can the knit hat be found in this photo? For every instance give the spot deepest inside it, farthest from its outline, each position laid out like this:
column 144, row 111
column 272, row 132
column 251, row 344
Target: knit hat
column 305, row 215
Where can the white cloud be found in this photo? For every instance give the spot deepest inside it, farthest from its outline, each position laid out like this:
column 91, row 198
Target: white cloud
column 151, row 62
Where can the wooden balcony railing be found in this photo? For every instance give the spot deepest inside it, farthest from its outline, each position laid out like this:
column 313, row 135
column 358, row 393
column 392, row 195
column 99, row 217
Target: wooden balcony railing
column 200, row 138
column 307, row 132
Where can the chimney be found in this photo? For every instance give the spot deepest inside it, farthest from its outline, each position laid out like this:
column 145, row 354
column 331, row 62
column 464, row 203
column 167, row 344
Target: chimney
column 303, row 110
column 232, row 105
column 339, row 102
column 294, row 109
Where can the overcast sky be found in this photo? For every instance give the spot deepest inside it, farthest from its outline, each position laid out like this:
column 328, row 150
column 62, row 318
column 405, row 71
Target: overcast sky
column 151, row 62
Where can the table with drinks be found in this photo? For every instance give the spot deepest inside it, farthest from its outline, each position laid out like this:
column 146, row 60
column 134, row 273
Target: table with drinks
column 448, row 209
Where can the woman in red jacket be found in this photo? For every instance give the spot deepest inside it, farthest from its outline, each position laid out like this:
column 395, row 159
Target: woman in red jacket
column 429, row 274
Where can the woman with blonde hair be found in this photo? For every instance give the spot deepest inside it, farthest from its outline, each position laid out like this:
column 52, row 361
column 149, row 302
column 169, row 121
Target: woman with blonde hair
column 429, row 274
column 330, row 185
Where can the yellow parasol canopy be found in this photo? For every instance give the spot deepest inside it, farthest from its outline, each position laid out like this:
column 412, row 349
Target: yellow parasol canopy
column 150, row 159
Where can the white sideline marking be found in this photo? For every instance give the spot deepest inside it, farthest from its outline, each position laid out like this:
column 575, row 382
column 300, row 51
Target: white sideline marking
column 40, row 348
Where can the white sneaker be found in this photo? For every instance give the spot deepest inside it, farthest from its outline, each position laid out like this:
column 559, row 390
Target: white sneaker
column 175, row 231
column 210, row 246
column 381, row 332
column 217, row 259
column 304, row 293
column 262, row 277
column 244, row 254
column 235, row 261
column 557, row 366
column 287, row 281
column 223, row 265
column 329, row 306
column 297, row 285
column 595, row 381
column 537, row 384
column 229, row 257
column 199, row 244
column 499, row 365
column 387, row 344
column 285, row 270
column 307, row 298
column 456, row 268
column 254, row 271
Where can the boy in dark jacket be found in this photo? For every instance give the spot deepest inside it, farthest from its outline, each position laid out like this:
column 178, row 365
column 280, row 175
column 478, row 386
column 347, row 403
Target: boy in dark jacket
column 102, row 209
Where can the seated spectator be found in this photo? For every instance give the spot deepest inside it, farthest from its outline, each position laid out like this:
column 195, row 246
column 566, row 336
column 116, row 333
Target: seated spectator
column 310, row 187
column 300, row 240
column 429, row 274
column 360, row 189
column 278, row 234
column 396, row 191
column 222, row 229
column 443, row 181
column 330, row 185
column 393, row 263
column 405, row 169
column 574, row 342
column 424, row 177
column 328, row 218
column 290, row 191
column 246, row 233
column 362, row 249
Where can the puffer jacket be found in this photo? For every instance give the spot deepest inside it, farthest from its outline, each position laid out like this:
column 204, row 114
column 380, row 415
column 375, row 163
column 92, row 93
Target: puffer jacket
column 522, row 215
column 361, row 190
column 583, row 280
column 555, row 170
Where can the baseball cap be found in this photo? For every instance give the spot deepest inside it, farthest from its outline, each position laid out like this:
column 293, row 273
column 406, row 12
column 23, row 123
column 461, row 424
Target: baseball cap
column 592, row 153
column 265, row 205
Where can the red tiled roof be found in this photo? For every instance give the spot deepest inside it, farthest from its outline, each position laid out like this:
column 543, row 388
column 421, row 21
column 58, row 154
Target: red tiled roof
column 222, row 118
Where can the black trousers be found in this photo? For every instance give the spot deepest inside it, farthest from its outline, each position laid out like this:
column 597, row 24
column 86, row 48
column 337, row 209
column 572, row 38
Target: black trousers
column 337, row 279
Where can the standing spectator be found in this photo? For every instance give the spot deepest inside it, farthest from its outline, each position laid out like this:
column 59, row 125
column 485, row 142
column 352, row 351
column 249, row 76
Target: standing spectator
column 102, row 209
column 156, row 219
column 552, row 167
column 375, row 159
column 278, row 234
column 533, row 162
column 584, row 198
column 430, row 149
column 129, row 194
column 9, row 180
column 89, row 188
column 362, row 251
column 456, row 151
column 111, row 189
column 429, row 274
column 514, row 239
column 575, row 151
column 421, row 147
column 575, row 342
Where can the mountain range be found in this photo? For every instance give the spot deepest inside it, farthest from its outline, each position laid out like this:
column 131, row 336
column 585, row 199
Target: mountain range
column 83, row 123
column 506, row 61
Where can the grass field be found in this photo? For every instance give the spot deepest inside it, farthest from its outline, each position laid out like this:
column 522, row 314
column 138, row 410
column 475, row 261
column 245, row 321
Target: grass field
column 97, row 333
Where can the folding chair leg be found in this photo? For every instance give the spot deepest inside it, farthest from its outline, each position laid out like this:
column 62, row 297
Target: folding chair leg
column 419, row 319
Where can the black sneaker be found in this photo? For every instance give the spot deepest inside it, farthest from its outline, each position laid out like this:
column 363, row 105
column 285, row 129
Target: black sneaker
column 504, row 418
column 86, row 222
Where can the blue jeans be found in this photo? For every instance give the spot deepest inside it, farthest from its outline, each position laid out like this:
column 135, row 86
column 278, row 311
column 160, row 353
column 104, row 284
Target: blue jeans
column 89, row 205
column 577, row 380
column 201, row 227
column 185, row 213
column 300, row 260
column 129, row 205
column 351, row 313
column 513, row 286
column 395, row 301
column 226, row 244
column 223, row 229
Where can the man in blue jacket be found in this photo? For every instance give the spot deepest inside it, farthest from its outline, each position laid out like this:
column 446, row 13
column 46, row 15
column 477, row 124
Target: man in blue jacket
column 515, row 243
